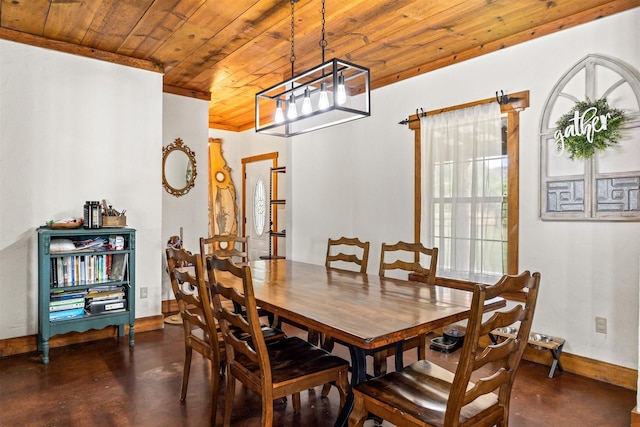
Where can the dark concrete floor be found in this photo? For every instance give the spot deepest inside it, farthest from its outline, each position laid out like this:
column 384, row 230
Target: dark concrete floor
column 104, row 383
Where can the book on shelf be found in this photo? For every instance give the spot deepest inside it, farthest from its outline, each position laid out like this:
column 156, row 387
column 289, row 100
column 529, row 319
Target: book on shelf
column 61, row 295
column 119, row 267
column 107, row 306
column 73, row 313
column 66, row 306
column 105, row 294
column 65, row 301
column 75, row 270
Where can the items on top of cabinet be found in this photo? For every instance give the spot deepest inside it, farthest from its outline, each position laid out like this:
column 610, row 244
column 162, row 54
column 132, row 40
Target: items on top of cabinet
column 101, row 214
column 65, row 223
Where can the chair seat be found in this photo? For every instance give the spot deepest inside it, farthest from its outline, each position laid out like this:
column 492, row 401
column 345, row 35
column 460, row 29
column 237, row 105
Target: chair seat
column 269, row 333
column 424, row 387
column 292, row 358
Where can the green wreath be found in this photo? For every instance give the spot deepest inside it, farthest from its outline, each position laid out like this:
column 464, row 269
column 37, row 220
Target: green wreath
column 582, row 130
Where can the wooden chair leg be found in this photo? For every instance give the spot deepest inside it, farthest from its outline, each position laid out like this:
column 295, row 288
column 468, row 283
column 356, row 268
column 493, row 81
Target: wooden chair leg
column 313, row 337
column 358, row 414
column 214, row 385
column 228, row 406
column 325, row 390
column 380, row 363
column 422, row 347
column 267, row 410
column 327, row 344
column 296, row 402
column 342, row 384
column 185, row 373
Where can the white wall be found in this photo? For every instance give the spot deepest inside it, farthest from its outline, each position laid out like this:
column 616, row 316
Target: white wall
column 73, row 129
column 188, row 119
column 356, row 179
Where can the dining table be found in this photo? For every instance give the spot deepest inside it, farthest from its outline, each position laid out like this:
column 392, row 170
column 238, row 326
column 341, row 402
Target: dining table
column 363, row 311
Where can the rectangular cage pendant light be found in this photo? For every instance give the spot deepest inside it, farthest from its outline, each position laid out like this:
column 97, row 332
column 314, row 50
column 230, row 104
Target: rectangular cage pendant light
column 332, row 93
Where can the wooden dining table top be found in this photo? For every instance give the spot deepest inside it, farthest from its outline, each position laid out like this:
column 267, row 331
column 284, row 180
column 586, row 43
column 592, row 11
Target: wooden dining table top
column 363, row 310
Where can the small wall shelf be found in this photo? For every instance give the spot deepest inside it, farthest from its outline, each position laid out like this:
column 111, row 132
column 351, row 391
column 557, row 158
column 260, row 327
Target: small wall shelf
column 275, row 202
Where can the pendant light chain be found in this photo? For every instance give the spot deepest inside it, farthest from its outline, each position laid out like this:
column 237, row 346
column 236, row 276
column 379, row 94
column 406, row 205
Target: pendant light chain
column 298, row 105
column 293, row 55
column 323, row 41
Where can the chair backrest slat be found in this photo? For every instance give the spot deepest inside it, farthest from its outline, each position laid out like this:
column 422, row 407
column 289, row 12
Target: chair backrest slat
column 225, row 246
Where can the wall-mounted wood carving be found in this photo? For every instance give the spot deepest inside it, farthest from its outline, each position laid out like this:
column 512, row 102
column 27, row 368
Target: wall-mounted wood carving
column 223, row 209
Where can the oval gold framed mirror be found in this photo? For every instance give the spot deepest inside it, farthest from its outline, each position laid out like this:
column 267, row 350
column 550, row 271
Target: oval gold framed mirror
column 178, row 168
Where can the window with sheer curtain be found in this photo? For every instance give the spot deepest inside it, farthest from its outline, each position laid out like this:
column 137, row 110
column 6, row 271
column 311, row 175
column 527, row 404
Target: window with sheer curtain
column 464, row 192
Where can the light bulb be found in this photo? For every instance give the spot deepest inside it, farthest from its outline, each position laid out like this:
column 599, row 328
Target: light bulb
column 342, row 93
column 306, row 102
column 292, row 111
column 279, row 117
column 323, row 102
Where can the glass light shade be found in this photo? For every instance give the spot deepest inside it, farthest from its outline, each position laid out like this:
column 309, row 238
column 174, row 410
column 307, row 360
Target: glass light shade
column 279, row 115
column 306, row 102
column 321, row 83
column 292, row 111
column 341, row 96
column 323, row 101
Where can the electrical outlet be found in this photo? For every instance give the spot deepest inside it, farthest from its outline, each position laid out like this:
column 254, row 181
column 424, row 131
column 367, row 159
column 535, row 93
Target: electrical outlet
column 144, row 292
column 601, row 325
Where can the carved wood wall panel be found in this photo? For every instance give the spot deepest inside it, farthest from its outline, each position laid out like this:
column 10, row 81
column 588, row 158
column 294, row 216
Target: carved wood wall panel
column 223, row 207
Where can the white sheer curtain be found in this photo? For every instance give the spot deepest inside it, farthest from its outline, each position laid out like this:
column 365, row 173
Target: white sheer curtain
column 464, row 175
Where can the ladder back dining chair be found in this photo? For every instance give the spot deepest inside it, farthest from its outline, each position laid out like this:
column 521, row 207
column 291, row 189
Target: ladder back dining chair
column 425, row 394
column 200, row 328
column 275, row 369
column 407, row 257
column 342, row 254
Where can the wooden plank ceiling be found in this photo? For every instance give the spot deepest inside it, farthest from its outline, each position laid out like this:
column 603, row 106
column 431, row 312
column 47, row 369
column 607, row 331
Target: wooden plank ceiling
column 227, row 50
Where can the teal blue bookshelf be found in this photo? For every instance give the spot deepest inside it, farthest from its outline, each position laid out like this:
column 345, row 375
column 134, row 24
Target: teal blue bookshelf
column 77, row 271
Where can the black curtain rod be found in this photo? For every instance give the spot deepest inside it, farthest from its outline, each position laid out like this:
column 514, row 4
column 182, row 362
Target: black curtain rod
column 420, row 114
column 500, row 99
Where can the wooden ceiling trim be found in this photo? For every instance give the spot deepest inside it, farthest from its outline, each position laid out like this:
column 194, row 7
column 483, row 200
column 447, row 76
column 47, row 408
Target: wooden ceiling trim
column 608, row 9
column 205, row 96
column 88, row 52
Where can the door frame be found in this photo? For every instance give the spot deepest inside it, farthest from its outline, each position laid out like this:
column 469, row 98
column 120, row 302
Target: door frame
column 273, row 156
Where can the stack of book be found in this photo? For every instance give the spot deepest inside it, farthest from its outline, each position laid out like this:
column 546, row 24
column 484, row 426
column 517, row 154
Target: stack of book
column 66, row 305
column 105, row 299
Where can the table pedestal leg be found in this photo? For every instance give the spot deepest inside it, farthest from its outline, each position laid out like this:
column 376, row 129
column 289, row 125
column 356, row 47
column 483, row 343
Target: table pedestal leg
column 358, row 375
